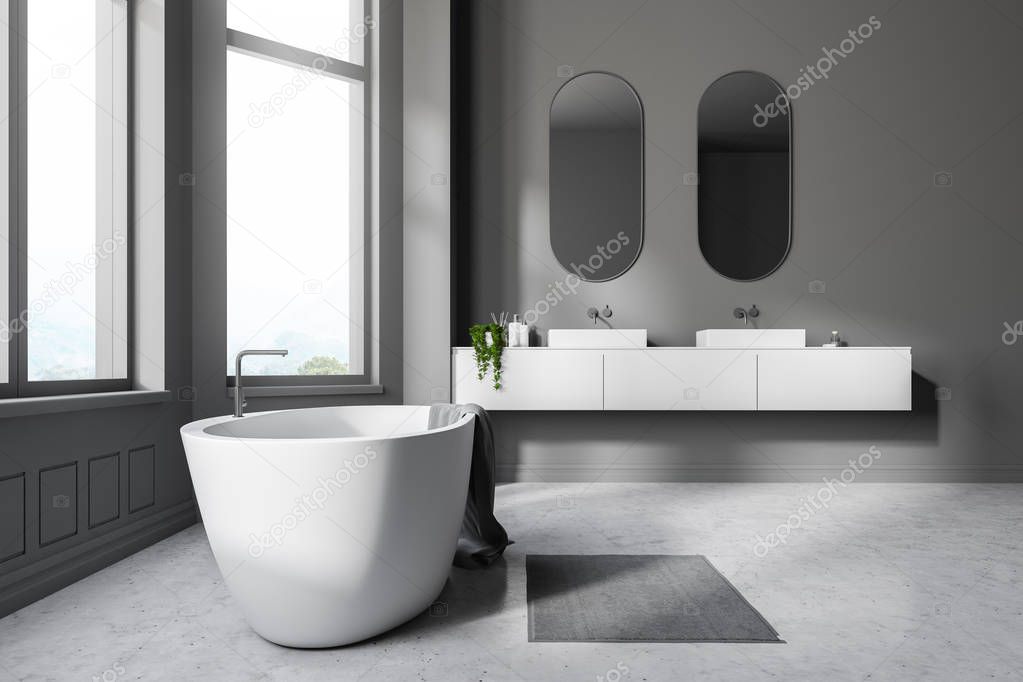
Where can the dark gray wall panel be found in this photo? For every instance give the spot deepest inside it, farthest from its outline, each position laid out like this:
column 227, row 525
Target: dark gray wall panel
column 58, row 503
column 141, row 478
column 901, row 257
column 104, row 489
column 12, row 517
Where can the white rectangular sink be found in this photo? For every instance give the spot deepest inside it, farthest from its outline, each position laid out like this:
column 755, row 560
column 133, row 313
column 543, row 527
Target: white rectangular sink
column 751, row 338
column 596, row 338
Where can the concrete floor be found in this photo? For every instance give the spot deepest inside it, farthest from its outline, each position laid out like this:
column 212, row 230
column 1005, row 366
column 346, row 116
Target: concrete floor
column 889, row 582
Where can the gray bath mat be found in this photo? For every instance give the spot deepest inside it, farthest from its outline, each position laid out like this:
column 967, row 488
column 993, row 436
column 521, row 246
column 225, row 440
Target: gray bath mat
column 637, row 598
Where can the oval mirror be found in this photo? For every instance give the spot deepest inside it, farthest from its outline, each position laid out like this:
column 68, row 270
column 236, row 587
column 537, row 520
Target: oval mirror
column 745, row 175
column 596, row 176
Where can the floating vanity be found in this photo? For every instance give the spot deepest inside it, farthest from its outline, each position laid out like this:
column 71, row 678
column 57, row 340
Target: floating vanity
column 753, row 376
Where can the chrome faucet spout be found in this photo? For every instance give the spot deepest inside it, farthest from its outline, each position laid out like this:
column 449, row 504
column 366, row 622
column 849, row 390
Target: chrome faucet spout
column 746, row 315
column 239, row 396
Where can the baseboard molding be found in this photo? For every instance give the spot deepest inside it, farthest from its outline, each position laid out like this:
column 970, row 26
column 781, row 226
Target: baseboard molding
column 46, row 576
column 751, row 473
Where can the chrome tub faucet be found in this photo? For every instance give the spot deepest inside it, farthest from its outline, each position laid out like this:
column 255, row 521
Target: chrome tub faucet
column 239, row 398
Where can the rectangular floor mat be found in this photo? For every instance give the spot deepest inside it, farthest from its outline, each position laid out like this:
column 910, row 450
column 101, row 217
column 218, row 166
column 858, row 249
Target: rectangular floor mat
column 637, row 598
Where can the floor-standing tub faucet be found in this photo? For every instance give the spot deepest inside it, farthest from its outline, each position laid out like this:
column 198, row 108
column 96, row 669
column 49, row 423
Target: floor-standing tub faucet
column 239, row 398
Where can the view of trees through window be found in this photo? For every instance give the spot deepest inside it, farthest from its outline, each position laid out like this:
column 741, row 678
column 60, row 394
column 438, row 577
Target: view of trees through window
column 295, row 188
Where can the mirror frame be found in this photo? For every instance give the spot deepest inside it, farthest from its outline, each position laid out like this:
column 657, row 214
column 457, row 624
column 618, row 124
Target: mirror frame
column 791, row 176
column 642, row 177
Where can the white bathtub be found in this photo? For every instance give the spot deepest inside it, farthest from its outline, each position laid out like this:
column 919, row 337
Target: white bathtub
column 333, row 524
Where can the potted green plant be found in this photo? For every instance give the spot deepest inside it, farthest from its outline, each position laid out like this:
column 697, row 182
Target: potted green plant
column 488, row 341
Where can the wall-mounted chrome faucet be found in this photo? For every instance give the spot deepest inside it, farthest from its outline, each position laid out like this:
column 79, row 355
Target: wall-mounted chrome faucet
column 746, row 315
column 239, row 398
column 595, row 314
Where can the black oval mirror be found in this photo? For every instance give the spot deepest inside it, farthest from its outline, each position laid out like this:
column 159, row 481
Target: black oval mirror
column 745, row 175
column 596, row 176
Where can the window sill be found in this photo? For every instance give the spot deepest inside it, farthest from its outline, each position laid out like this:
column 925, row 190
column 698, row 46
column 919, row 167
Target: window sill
column 24, row 407
column 311, row 390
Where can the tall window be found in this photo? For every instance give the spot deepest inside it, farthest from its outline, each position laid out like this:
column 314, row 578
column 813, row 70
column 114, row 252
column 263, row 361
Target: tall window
column 297, row 122
column 65, row 220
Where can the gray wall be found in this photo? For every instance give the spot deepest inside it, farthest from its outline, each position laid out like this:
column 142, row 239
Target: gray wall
column 904, row 260
column 80, row 490
column 427, row 221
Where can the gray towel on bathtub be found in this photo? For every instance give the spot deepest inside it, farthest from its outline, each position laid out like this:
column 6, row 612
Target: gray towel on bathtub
column 482, row 539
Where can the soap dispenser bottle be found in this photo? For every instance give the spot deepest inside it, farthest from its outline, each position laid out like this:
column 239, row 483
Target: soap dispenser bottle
column 523, row 333
column 513, row 332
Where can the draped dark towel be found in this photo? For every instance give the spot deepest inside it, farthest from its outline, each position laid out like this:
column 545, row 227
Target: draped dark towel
column 482, row 539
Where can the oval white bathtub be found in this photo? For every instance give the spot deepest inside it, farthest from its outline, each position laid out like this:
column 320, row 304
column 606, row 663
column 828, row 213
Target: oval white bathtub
column 333, row 524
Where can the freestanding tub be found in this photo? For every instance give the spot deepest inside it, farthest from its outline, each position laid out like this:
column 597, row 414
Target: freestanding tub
column 332, row 524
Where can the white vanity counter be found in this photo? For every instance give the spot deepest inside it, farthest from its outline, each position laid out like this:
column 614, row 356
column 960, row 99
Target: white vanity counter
column 690, row 378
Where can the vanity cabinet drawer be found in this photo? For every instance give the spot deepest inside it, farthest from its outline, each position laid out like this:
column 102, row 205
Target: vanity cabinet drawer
column 835, row 379
column 680, row 379
column 533, row 379
column 674, row 379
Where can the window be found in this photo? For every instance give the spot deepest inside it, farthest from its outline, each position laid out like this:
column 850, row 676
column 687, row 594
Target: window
column 65, row 228
column 297, row 122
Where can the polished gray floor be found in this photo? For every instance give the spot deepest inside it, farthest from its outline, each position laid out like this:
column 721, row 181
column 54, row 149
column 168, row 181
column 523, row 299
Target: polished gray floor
column 888, row 582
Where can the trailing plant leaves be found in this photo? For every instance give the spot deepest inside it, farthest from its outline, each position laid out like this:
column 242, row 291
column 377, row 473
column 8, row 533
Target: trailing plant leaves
column 488, row 356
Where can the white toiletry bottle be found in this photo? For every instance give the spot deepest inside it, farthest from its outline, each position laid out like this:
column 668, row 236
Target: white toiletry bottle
column 523, row 334
column 513, row 332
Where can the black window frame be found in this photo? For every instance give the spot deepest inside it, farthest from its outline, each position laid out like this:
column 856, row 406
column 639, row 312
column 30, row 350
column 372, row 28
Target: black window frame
column 18, row 385
column 330, row 67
